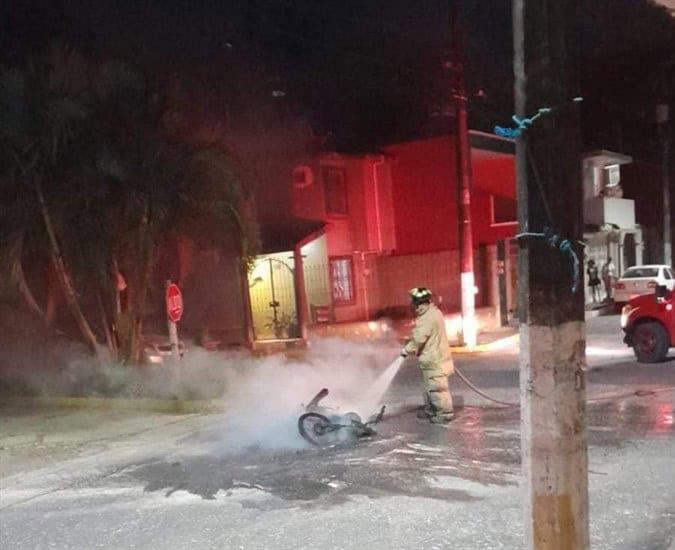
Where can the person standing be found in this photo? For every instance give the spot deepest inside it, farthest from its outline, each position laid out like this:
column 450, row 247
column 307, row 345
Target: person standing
column 593, row 281
column 429, row 342
column 608, row 274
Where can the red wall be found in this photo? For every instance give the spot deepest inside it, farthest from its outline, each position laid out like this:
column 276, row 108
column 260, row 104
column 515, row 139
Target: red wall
column 425, row 194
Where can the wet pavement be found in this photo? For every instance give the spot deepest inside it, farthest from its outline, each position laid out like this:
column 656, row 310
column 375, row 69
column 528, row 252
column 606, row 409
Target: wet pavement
column 413, row 485
column 403, row 459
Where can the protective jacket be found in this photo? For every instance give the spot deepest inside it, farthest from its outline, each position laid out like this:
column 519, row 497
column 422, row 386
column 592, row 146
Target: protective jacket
column 429, row 339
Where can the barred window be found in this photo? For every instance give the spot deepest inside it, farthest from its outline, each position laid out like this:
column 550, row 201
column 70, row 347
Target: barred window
column 342, row 279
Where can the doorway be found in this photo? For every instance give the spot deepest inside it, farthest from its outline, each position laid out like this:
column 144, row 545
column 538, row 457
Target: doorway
column 271, row 285
column 629, row 254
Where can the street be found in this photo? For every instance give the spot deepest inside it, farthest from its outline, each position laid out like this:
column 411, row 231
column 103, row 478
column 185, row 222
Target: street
column 96, row 479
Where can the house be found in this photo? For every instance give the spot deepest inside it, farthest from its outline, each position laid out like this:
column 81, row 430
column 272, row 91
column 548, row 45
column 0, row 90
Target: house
column 346, row 236
column 385, row 223
column 367, row 228
column 611, row 230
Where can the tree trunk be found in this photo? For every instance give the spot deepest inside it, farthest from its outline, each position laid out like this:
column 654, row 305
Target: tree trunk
column 52, row 295
column 141, row 296
column 107, row 327
column 64, row 277
column 139, row 269
column 18, row 278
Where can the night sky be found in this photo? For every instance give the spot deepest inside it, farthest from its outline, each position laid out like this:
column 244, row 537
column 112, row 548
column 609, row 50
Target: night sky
column 362, row 72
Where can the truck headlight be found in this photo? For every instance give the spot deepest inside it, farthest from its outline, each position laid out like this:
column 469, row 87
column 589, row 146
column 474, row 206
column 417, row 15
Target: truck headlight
column 625, row 314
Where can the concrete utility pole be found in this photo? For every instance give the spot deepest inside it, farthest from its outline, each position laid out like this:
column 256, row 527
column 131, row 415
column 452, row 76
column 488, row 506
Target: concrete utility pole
column 463, row 154
column 552, row 330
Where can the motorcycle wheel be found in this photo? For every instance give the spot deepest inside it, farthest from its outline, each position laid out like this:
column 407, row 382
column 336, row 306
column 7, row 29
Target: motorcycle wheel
column 315, row 428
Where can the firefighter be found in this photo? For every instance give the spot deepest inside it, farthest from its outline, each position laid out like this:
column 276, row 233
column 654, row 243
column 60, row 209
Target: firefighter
column 429, row 342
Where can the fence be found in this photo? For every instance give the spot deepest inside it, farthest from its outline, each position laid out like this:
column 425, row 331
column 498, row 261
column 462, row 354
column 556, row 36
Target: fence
column 365, row 286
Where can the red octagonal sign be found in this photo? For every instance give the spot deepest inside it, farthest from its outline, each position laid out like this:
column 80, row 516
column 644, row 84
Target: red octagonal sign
column 174, row 303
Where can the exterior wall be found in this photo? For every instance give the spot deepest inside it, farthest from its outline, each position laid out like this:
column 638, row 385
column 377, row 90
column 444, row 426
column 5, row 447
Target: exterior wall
column 366, row 292
column 425, row 194
column 212, row 291
column 308, row 202
column 401, row 226
column 603, row 210
column 318, row 283
column 339, row 237
column 315, row 263
column 368, row 224
column 398, row 274
column 484, row 231
column 382, row 282
column 379, row 202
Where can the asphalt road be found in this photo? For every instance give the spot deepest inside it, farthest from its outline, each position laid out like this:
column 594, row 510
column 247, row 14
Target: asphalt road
column 101, row 480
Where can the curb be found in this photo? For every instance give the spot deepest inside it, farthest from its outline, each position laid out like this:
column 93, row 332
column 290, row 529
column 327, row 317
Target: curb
column 175, row 406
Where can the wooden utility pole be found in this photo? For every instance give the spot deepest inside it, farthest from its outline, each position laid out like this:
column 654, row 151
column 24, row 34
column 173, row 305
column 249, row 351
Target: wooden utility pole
column 463, row 159
column 552, row 330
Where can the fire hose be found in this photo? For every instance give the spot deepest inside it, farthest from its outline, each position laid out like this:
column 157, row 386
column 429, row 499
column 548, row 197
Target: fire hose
column 610, row 397
column 481, row 392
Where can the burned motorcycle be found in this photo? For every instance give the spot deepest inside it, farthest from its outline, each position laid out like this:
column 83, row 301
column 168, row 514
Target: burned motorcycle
column 323, row 426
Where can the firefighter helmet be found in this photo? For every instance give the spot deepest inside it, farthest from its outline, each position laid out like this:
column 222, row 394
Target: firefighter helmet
column 420, row 295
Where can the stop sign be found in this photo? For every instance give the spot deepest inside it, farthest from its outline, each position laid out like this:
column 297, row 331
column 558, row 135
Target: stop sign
column 174, row 303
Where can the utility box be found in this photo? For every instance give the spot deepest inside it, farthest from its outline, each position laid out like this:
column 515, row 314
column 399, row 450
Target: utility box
column 610, row 210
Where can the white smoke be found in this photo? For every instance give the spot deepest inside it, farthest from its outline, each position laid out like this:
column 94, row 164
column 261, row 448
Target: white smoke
column 262, row 397
column 266, row 397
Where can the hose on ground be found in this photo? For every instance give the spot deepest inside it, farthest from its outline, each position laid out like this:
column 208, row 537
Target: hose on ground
column 638, row 393
column 481, row 392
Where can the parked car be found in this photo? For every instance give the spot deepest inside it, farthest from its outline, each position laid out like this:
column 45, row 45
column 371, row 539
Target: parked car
column 157, row 349
column 642, row 279
column 648, row 322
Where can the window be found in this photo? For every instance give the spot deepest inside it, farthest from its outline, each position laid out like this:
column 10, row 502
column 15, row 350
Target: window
column 641, row 273
column 342, row 280
column 335, row 190
column 504, row 210
column 667, row 274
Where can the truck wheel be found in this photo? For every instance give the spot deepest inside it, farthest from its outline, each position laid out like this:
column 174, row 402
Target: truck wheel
column 650, row 343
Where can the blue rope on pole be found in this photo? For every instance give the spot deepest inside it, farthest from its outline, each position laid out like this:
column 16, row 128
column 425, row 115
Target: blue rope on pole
column 566, row 247
column 522, row 124
column 553, row 240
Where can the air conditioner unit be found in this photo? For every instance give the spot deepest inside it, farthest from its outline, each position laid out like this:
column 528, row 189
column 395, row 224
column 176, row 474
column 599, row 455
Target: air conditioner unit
column 612, row 175
column 303, row 177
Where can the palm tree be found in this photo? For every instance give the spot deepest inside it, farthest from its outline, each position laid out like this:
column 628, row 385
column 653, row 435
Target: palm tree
column 41, row 110
column 149, row 189
column 98, row 187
